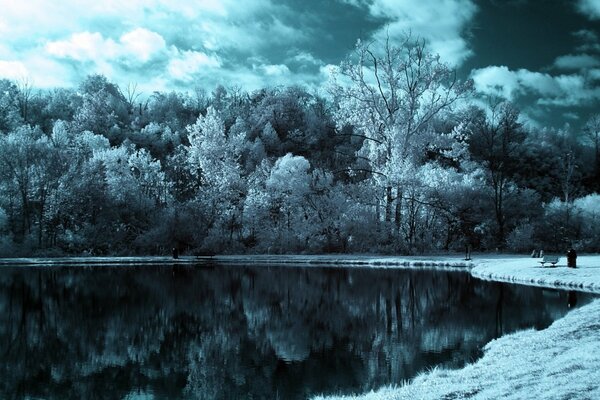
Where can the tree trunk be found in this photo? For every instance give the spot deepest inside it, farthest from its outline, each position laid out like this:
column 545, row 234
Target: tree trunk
column 388, row 203
column 398, row 213
column 499, row 208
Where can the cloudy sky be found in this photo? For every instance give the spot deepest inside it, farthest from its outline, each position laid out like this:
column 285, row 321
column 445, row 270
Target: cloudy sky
column 542, row 54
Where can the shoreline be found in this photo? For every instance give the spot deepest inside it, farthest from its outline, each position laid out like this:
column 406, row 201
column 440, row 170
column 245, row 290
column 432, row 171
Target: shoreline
column 507, row 268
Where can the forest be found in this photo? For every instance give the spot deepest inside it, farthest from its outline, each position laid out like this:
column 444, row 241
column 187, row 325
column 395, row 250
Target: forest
column 393, row 155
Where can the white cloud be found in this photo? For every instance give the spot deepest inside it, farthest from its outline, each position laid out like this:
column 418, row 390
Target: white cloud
column 40, row 71
column 304, row 57
column 25, row 17
column 496, row 80
column 589, row 8
column 559, row 90
column 218, row 41
column 441, row 22
column 246, row 33
column 5, row 51
column 143, row 43
column 139, row 43
column 576, row 61
column 275, row 70
column 188, row 63
column 13, row 70
column 83, row 46
column 121, row 38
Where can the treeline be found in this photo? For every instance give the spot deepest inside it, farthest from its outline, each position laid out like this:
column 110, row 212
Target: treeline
column 393, row 159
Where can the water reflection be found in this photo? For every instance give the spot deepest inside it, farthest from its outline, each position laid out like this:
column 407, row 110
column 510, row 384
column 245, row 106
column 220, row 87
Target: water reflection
column 231, row 332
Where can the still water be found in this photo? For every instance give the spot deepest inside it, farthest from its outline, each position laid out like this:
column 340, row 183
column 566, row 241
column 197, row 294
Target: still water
column 231, row 332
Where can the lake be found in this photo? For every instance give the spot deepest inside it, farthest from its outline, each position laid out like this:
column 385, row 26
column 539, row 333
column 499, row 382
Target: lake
column 235, row 332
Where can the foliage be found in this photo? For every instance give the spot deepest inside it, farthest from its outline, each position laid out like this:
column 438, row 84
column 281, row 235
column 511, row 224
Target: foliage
column 394, row 160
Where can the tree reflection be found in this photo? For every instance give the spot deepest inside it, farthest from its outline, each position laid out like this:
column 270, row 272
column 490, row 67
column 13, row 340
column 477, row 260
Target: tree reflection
column 226, row 332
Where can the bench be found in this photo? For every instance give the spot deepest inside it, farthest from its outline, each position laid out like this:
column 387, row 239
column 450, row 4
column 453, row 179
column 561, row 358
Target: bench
column 549, row 259
column 203, row 255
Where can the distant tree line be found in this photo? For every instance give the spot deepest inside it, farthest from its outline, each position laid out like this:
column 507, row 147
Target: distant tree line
column 394, row 159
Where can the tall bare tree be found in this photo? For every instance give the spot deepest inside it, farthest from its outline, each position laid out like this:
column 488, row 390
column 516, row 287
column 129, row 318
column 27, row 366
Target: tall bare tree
column 390, row 93
column 25, row 95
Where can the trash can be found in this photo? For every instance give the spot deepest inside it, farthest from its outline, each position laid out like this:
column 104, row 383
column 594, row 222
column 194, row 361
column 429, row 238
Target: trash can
column 571, row 258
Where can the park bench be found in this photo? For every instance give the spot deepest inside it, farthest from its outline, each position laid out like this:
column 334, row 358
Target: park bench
column 549, row 259
column 203, row 255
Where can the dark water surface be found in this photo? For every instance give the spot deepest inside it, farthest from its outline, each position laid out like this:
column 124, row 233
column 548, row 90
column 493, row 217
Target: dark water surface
column 225, row 332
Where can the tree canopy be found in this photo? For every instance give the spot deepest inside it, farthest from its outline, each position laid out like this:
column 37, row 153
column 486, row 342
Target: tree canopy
column 397, row 157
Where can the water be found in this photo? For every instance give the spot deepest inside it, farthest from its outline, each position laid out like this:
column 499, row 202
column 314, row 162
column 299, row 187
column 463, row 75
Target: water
column 217, row 332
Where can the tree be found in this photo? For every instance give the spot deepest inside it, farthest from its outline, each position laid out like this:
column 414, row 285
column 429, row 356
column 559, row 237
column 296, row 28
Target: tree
column 214, row 161
column 390, row 95
column 25, row 96
column 494, row 142
column 276, row 204
column 32, row 167
column 10, row 118
column 592, row 134
column 17, row 158
column 58, row 104
column 104, row 109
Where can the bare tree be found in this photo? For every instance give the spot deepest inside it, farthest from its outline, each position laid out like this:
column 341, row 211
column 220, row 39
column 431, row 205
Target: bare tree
column 131, row 95
column 390, row 94
column 25, row 95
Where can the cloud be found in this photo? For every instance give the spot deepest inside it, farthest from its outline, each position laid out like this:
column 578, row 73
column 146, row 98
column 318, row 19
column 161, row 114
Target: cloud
column 143, row 43
column 83, row 46
column 40, row 71
column 496, row 81
column 247, row 33
column 571, row 115
column 594, row 74
column 174, row 43
column 558, row 90
column 187, row 64
column 576, row 61
column 589, row 8
column 275, row 70
column 586, row 35
column 13, row 70
column 139, row 43
column 170, row 43
column 441, row 22
column 303, row 57
column 588, row 39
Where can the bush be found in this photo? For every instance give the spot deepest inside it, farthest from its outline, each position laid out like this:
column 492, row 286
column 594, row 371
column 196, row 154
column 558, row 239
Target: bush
column 588, row 209
column 522, row 237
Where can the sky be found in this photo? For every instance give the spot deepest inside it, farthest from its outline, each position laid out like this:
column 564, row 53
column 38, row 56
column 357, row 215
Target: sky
column 544, row 55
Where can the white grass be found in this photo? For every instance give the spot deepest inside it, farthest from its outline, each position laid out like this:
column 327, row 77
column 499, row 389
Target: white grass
column 528, row 271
